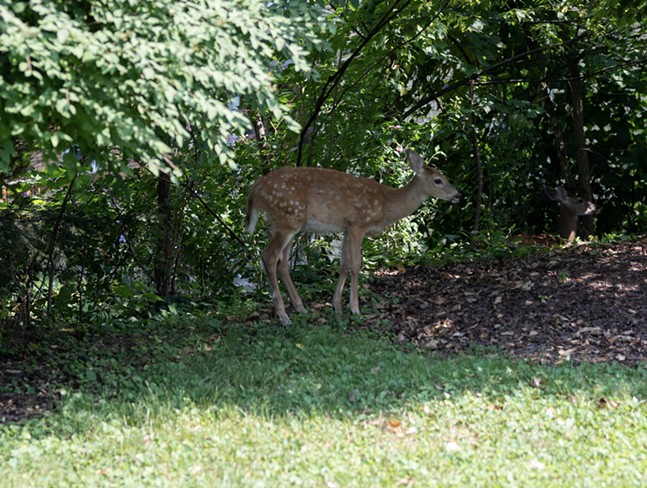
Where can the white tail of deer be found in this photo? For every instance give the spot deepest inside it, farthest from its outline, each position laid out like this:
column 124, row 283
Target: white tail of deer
column 570, row 208
column 326, row 201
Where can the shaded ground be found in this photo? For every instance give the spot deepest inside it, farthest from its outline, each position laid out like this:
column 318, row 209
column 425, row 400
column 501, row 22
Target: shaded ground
column 585, row 303
column 17, row 404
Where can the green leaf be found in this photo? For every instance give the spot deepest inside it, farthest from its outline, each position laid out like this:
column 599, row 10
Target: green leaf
column 123, row 291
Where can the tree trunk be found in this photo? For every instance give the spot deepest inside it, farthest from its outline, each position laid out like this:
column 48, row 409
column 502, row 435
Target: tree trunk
column 579, row 137
column 163, row 259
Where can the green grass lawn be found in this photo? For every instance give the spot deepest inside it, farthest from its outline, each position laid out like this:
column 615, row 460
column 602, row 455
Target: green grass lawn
column 195, row 402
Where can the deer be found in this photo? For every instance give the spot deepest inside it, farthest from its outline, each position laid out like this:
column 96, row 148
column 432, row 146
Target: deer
column 325, row 201
column 570, row 208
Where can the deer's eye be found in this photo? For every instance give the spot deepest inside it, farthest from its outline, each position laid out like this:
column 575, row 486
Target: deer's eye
column 438, row 181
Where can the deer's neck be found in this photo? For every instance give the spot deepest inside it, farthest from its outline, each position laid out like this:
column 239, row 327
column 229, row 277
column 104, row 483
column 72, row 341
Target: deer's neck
column 402, row 202
column 567, row 227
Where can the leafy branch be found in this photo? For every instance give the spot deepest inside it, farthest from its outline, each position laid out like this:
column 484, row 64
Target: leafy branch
column 333, row 80
column 478, row 74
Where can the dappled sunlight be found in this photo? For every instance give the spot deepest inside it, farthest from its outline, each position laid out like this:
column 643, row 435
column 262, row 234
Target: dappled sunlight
column 243, row 403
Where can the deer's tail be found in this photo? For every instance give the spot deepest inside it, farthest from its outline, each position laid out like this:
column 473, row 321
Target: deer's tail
column 252, row 214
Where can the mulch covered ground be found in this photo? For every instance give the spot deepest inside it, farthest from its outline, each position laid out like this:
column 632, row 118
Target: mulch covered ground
column 583, row 303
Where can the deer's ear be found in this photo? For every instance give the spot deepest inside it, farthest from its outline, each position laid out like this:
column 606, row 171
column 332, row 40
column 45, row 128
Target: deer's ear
column 558, row 193
column 561, row 193
column 416, row 162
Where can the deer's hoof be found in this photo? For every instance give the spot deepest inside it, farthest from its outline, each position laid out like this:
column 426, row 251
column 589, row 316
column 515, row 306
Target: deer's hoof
column 284, row 319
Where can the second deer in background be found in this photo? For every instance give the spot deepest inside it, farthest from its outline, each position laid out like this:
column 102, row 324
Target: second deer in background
column 570, row 208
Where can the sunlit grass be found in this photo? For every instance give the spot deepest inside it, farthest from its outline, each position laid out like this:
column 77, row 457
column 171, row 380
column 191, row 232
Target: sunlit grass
column 201, row 404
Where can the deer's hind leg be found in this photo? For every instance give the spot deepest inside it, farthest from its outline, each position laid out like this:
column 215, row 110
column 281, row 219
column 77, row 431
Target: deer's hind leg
column 355, row 238
column 275, row 250
column 284, row 274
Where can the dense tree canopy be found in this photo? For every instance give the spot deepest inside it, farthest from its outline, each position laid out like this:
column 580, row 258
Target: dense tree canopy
column 141, row 77
column 502, row 95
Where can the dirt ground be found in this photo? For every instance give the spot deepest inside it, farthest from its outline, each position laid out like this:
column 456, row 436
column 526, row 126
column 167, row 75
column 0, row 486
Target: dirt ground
column 583, row 303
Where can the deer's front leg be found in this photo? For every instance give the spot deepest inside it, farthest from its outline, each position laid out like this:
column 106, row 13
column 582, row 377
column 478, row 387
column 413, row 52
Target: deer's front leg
column 355, row 238
column 343, row 272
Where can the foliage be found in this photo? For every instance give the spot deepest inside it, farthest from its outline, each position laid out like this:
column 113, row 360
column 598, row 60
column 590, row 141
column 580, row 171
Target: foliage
column 98, row 97
column 431, row 53
column 194, row 400
column 141, row 77
column 89, row 86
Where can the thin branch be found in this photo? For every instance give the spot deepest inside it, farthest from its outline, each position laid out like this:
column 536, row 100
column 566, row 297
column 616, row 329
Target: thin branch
column 52, row 243
column 215, row 215
column 386, row 56
column 593, row 74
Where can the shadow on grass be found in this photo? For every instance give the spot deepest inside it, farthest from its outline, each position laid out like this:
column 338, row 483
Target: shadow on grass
column 269, row 370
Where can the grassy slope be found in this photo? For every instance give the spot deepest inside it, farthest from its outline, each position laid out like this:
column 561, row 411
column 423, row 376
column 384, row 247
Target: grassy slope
column 196, row 403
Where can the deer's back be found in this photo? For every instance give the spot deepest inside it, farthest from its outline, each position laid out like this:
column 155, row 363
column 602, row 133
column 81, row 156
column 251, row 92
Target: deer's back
column 324, row 200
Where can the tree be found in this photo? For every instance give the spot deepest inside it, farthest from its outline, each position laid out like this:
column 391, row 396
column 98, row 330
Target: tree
column 141, row 77
column 90, row 86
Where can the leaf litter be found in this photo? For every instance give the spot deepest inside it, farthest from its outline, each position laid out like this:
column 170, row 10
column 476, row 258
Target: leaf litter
column 584, row 303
